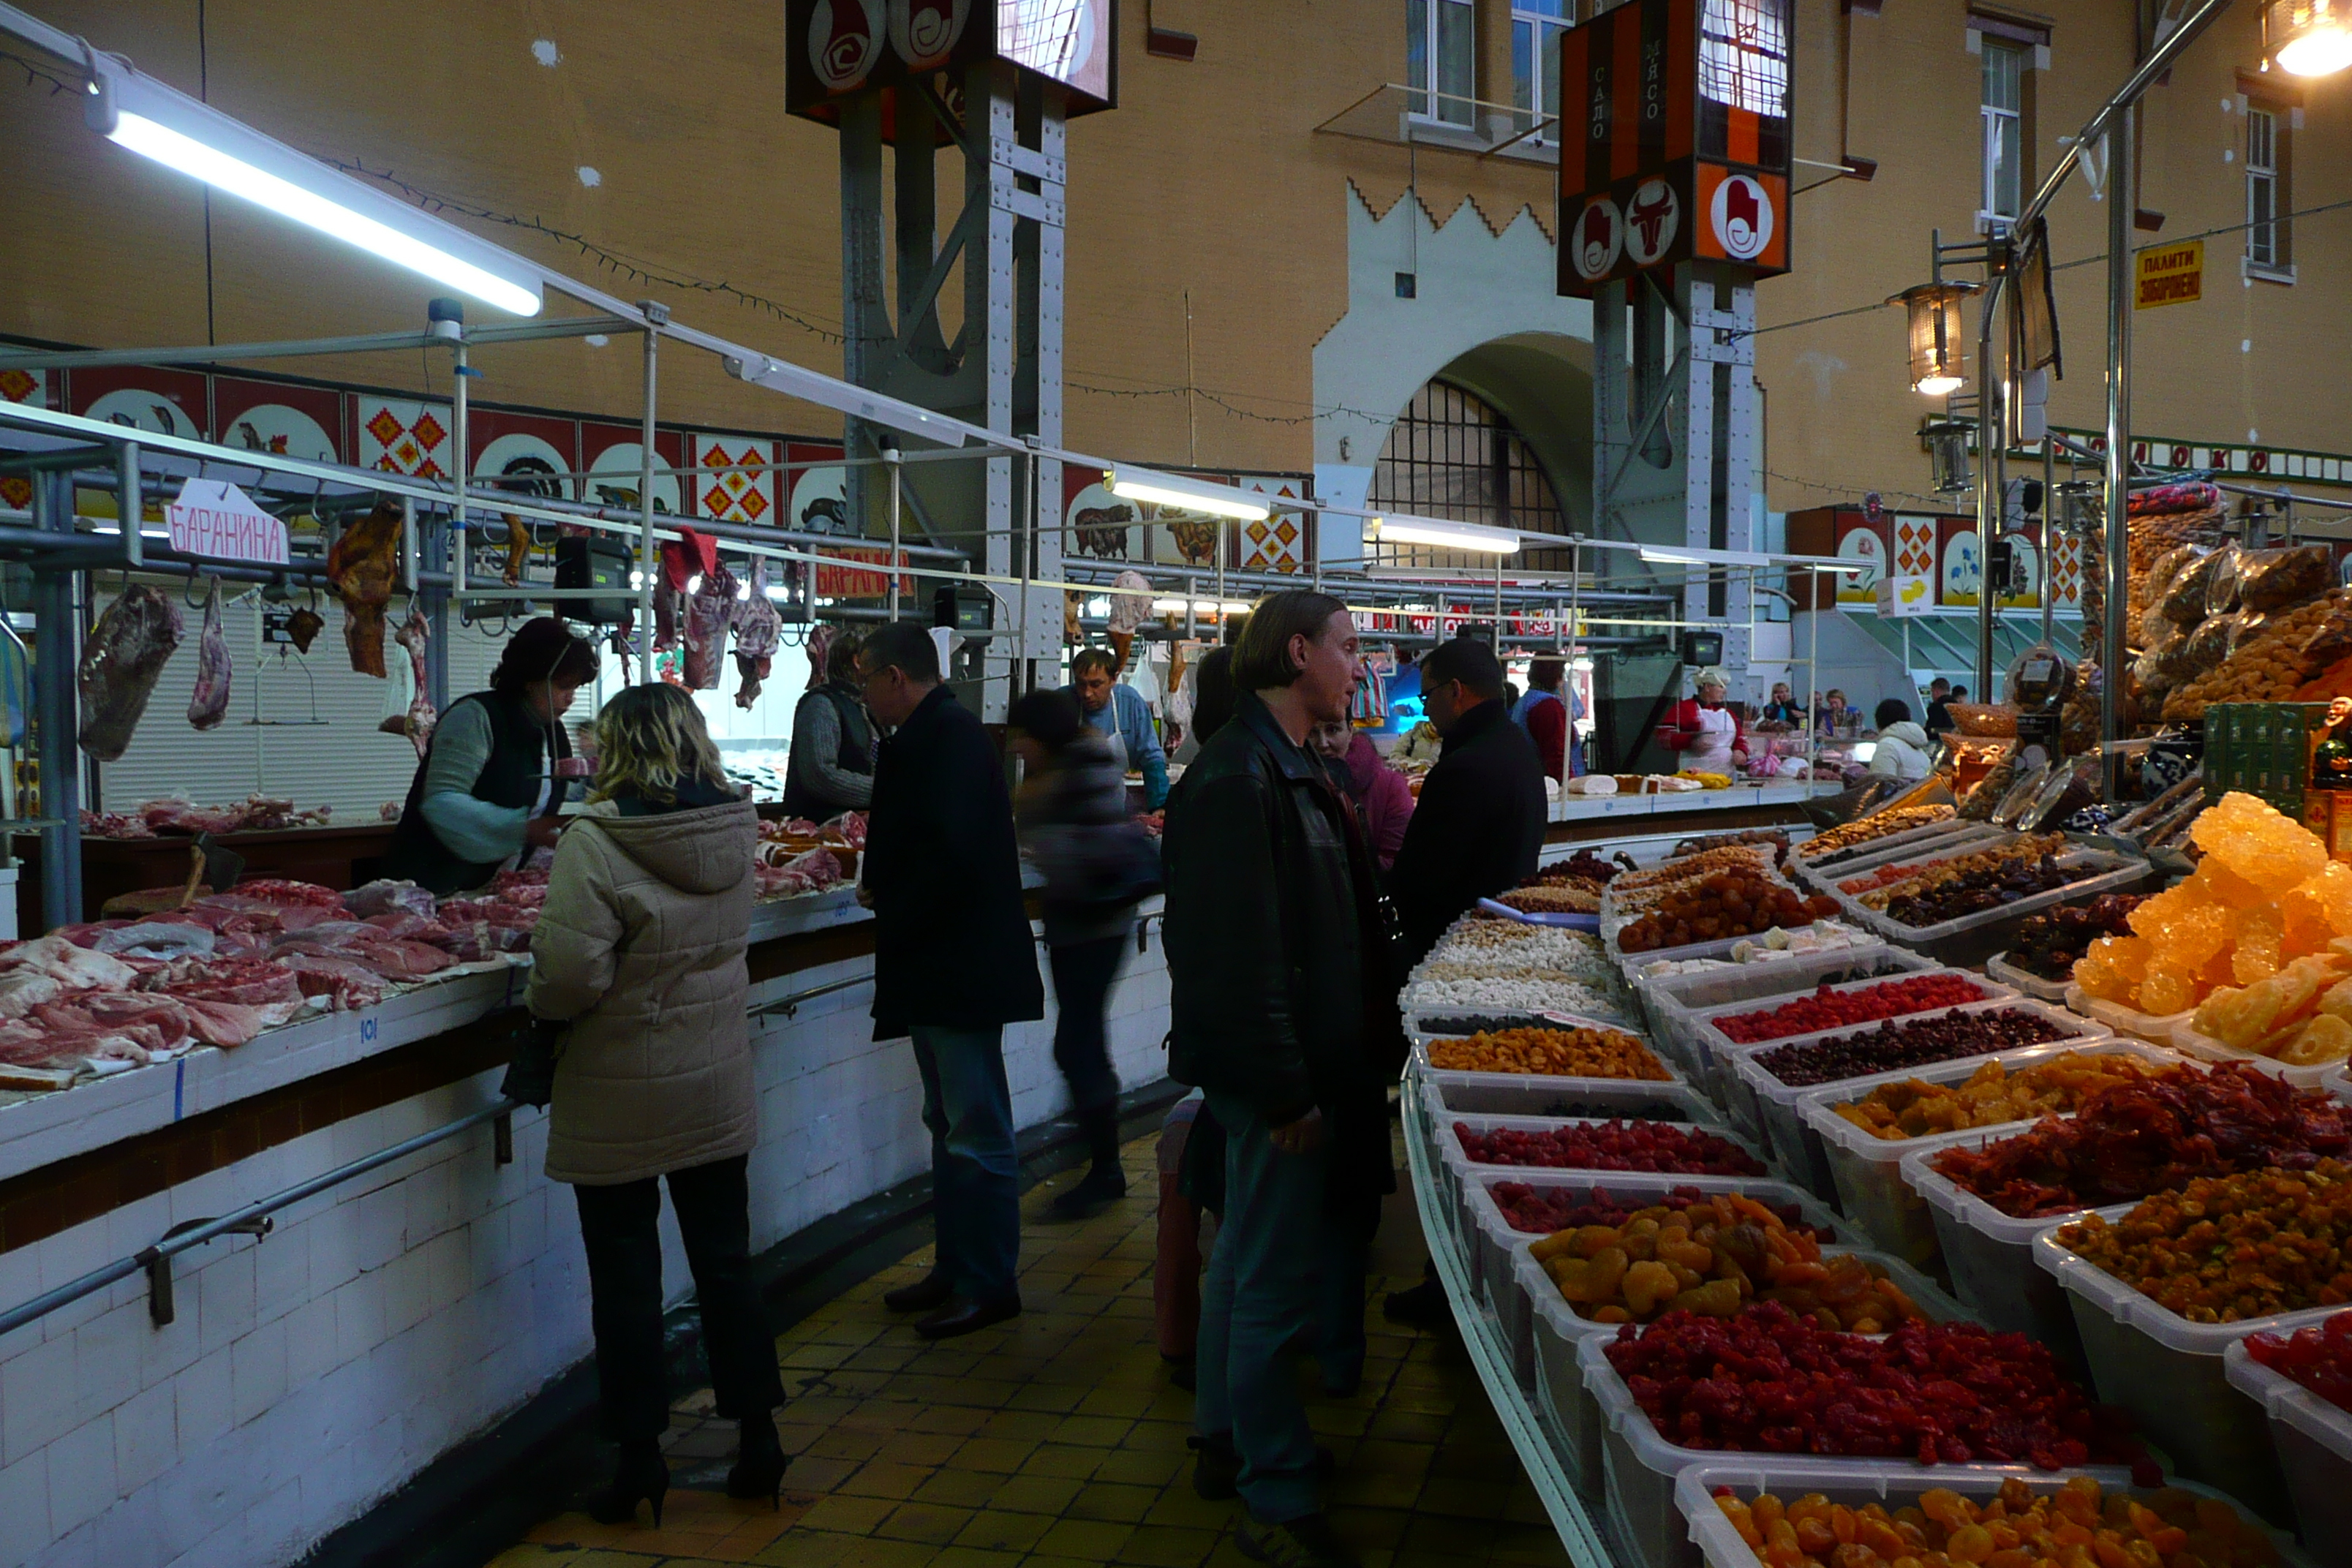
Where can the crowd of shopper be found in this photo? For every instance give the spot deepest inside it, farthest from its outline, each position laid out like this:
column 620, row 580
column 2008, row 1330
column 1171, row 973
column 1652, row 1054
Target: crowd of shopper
column 1301, row 879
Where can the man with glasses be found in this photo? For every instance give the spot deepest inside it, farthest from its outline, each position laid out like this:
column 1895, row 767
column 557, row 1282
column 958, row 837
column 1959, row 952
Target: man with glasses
column 954, row 963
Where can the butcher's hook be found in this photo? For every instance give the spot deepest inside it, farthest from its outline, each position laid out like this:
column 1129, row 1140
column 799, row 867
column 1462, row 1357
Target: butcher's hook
column 191, row 603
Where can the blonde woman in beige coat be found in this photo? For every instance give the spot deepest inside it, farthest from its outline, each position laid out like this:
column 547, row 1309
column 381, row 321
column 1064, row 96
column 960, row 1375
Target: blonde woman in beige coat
column 640, row 951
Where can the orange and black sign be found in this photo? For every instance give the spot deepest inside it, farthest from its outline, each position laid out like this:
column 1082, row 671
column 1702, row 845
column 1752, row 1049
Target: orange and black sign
column 1675, row 138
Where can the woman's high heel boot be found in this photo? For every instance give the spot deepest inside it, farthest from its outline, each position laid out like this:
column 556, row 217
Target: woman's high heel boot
column 642, row 1473
column 759, row 1461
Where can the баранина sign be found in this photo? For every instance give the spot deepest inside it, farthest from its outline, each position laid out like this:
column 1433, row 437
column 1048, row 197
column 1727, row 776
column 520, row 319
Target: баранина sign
column 212, row 517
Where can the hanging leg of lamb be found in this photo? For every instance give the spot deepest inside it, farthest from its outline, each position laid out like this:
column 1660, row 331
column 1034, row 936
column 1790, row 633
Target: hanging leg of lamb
column 361, row 568
column 415, row 632
column 758, row 630
column 708, row 614
column 209, row 706
column 121, row 662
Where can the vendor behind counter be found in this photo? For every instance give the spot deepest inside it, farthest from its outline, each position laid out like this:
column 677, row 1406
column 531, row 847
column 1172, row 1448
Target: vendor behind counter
column 485, row 792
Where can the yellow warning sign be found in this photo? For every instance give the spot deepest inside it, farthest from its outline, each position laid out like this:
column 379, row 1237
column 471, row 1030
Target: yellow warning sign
column 2170, row 275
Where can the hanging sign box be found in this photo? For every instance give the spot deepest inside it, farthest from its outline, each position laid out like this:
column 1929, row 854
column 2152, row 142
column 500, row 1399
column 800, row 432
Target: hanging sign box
column 214, row 519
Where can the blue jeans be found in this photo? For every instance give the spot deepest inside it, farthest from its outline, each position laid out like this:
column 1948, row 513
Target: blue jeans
column 1265, row 1294
column 975, row 1174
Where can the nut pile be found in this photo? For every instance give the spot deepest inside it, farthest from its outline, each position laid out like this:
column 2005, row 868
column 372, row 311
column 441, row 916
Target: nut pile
column 1993, row 1094
column 1766, row 1380
column 2018, row 1528
column 1713, row 1257
column 1908, row 1043
column 2266, row 666
column 2134, row 1138
column 2221, row 1250
column 1650, row 1146
column 1725, row 858
column 1551, row 1053
column 1722, row 904
column 1960, row 867
column 1823, row 847
column 1829, row 1009
column 1567, row 898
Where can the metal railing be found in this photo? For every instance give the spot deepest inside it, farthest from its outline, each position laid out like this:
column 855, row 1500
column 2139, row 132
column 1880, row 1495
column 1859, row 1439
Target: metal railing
column 254, row 1219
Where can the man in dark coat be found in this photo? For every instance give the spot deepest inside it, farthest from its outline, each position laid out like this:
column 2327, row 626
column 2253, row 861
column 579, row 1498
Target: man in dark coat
column 1477, row 831
column 954, row 963
column 1278, row 982
column 1479, row 825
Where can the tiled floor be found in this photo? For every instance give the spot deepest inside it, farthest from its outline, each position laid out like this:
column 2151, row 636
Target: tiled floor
column 1057, row 1439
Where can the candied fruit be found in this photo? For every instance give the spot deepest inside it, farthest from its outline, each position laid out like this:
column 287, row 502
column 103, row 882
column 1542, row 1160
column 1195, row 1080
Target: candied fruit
column 2258, row 843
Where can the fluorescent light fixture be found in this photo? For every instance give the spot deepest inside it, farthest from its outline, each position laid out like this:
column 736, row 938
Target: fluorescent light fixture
column 139, row 113
column 1210, row 606
column 1687, row 555
column 793, row 381
column 1217, row 500
column 1440, row 534
column 1862, row 750
column 779, row 593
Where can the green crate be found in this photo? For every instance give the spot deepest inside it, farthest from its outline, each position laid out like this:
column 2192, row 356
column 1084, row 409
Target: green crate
column 2225, row 759
column 2299, row 728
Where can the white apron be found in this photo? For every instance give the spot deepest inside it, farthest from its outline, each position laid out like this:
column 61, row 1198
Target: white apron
column 1711, row 753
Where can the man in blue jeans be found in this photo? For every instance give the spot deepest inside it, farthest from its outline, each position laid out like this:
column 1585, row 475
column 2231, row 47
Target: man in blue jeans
column 954, row 963
column 1283, row 1013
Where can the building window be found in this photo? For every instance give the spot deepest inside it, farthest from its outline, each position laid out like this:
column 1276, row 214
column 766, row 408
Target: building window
column 1451, row 455
column 2267, row 136
column 1536, row 27
column 2003, row 115
column 1441, row 60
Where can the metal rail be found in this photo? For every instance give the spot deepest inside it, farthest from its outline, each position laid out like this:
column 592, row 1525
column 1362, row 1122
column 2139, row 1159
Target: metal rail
column 254, row 1219
column 789, row 1005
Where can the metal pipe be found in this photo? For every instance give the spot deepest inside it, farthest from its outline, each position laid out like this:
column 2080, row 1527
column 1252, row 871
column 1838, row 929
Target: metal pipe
column 1498, row 606
column 1991, row 432
column 2119, row 460
column 2046, row 587
column 890, row 457
column 130, row 502
column 295, row 348
column 647, row 563
column 463, row 452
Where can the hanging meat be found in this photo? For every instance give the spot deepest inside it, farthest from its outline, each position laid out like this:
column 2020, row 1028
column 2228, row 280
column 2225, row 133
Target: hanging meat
column 709, row 613
column 518, row 550
column 415, row 634
column 361, row 568
column 689, row 557
column 121, row 662
column 303, row 628
column 758, row 630
column 209, row 706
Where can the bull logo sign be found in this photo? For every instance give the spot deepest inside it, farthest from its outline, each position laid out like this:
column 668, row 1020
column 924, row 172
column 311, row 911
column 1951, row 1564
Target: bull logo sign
column 845, row 39
column 1741, row 213
column 925, row 32
column 1652, row 220
column 1599, row 238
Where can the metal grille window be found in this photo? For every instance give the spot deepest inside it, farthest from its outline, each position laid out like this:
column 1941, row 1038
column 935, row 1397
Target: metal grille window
column 1536, row 27
column 1440, row 58
column 1452, row 455
column 2266, row 249
column 1743, row 55
column 2003, row 115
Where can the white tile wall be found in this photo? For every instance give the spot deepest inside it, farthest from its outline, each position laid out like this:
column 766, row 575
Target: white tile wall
column 310, row 1373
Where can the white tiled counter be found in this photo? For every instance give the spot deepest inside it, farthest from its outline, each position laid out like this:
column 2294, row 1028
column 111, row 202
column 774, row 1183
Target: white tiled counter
column 383, row 1321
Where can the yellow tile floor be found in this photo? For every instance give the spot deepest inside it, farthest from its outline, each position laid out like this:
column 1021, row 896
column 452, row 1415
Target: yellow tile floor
column 1058, row 1438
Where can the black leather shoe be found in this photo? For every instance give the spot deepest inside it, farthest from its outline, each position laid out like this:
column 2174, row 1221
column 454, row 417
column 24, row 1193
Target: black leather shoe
column 962, row 1317
column 642, row 1473
column 759, row 1461
column 1423, row 1306
column 931, row 1291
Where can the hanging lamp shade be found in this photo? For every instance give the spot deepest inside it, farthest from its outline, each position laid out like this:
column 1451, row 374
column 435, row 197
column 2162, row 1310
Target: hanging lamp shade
column 1948, row 450
column 1937, row 368
column 2080, row 505
column 2308, row 38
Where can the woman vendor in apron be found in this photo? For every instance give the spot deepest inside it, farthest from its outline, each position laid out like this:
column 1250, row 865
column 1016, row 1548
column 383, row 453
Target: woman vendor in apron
column 484, row 793
column 1706, row 734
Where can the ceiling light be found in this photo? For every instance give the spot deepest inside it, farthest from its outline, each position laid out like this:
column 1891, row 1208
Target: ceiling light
column 1217, row 500
column 2310, row 38
column 1441, row 535
column 1691, row 555
column 142, row 115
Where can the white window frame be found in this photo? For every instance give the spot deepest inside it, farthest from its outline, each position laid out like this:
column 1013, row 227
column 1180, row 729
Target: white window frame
column 2267, row 123
column 1991, row 119
column 1542, row 29
column 1434, row 101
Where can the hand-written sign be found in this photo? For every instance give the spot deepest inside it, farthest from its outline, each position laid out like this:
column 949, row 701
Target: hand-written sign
column 215, row 518
column 2170, row 275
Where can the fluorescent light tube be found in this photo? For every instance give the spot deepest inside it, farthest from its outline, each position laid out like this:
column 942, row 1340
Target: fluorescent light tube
column 155, row 121
column 1683, row 555
column 1217, row 500
column 1176, row 606
column 1441, row 535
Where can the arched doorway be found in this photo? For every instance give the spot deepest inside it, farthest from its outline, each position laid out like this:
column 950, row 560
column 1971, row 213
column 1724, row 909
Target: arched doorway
column 1452, row 454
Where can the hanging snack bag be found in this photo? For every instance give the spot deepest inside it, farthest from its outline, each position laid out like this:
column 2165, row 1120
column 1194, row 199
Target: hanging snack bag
column 2221, row 587
column 2208, row 646
column 2184, row 601
column 2281, row 579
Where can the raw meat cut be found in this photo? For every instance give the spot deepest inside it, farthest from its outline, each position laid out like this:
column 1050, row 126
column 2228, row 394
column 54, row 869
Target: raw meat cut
column 223, row 1024
column 178, row 814
column 303, row 628
column 708, row 614
column 385, row 897
column 209, row 706
column 329, row 933
column 74, row 966
column 349, row 986
column 360, row 567
column 158, row 938
column 683, row 560
column 409, row 927
column 87, row 932
column 284, row 890
column 415, row 634
column 269, row 988
column 521, row 887
column 121, row 662
column 22, row 990
column 121, row 1011
column 758, row 630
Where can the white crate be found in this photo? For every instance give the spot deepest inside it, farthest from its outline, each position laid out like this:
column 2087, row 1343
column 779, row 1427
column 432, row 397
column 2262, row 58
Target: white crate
column 2313, row 1440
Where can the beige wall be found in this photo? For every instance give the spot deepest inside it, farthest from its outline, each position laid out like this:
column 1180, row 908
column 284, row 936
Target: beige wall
column 1209, row 178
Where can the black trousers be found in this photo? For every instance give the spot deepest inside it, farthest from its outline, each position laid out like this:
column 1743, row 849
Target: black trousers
column 619, row 1226
column 1083, row 973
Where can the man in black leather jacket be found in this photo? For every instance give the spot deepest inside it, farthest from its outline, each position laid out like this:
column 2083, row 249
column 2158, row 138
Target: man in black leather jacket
column 1279, row 983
